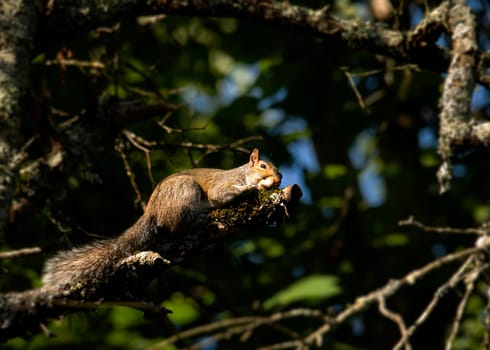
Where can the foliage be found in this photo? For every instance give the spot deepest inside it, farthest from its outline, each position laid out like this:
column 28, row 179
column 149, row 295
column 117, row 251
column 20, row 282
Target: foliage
column 363, row 168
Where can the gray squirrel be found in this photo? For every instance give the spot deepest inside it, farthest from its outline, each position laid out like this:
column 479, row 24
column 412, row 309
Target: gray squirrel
column 175, row 202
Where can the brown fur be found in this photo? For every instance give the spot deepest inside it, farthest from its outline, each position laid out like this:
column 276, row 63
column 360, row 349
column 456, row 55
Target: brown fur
column 174, row 203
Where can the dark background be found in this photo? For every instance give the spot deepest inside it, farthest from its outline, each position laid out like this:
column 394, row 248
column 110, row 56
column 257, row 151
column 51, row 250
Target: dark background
column 362, row 170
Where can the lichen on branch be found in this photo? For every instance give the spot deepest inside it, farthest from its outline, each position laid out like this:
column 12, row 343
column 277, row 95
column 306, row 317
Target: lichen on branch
column 22, row 313
column 454, row 118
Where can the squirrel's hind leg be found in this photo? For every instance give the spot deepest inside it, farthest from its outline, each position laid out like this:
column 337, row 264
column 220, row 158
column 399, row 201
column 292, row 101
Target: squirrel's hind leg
column 175, row 202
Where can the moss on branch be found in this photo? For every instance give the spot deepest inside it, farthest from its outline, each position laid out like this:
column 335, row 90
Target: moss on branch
column 24, row 313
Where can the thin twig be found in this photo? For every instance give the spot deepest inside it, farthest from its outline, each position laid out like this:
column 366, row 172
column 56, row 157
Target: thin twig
column 207, row 328
column 120, row 149
column 438, row 295
column 212, row 148
column 20, row 252
column 390, row 288
column 381, row 71
column 226, row 334
column 352, row 83
column 395, row 317
column 135, row 141
column 296, row 344
column 486, row 338
column 46, row 330
column 247, row 328
column 76, row 63
column 237, row 325
column 471, row 230
column 472, row 276
column 64, row 225
column 246, row 325
column 148, row 77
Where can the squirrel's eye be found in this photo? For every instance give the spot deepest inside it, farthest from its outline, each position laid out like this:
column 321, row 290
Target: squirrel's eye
column 263, row 166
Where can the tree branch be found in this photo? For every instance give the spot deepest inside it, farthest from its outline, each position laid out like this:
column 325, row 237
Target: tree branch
column 467, row 65
column 131, row 271
column 79, row 142
column 18, row 20
column 417, row 46
column 20, row 252
column 454, row 118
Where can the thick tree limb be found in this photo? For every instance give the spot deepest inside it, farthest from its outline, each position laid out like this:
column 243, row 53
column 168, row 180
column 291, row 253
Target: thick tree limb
column 416, row 46
column 18, row 19
column 454, row 118
column 126, row 281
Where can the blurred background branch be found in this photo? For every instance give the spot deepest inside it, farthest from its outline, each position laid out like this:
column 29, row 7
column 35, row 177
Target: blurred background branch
column 361, row 103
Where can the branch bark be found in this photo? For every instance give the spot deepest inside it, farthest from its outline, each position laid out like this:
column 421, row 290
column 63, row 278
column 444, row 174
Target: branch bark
column 466, row 64
column 22, row 313
column 454, row 118
column 18, row 20
column 416, row 46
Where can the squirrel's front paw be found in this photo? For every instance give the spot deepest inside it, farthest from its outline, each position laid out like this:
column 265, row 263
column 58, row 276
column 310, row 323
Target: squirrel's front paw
column 268, row 183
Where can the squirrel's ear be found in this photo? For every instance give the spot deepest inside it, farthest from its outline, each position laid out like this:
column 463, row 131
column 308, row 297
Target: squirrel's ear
column 254, row 157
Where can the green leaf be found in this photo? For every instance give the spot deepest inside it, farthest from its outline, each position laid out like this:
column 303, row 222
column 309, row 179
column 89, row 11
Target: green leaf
column 39, row 59
column 184, row 310
column 243, row 247
column 429, row 159
column 331, row 202
column 309, row 288
column 395, row 239
column 125, row 318
column 271, row 248
column 481, row 213
column 333, row 171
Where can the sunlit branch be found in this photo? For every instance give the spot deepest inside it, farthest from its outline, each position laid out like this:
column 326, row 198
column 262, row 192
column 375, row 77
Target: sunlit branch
column 451, row 230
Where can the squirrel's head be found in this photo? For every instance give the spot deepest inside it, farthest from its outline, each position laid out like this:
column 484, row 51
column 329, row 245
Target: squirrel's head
column 267, row 174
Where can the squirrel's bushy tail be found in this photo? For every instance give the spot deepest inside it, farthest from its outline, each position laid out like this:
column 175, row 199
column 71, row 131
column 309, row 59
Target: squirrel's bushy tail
column 90, row 262
column 94, row 262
